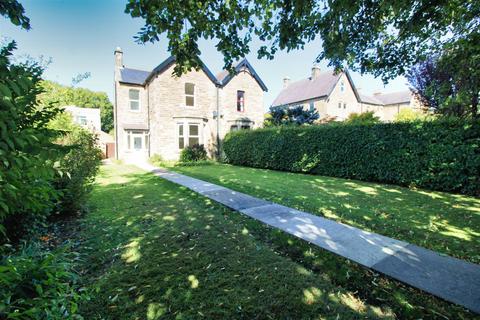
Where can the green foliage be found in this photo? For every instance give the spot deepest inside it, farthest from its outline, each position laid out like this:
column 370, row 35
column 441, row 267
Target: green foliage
column 15, row 12
column 449, row 83
column 365, row 118
column 57, row 95
column 281, row 115
column 27, row 154
column 439, row 155
column 77, row 170
column 381, row 37
column 409, row 115
column 38, row 284
column 193, row 153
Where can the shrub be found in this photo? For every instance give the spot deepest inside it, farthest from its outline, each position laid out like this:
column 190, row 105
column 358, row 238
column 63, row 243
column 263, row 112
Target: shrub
column 27, row 154
column 38, row 284
column 407, row 114
column 193, row 153
column 282, row 115
column 440, row 155
column 157, row 160
column 365, row 118
column 77, row 170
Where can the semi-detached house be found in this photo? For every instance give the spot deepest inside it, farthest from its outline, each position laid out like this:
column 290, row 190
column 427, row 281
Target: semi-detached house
column 158, row 113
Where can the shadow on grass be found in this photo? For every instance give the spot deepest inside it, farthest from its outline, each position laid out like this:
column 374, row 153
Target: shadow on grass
column 439, row 221
column 156, row 250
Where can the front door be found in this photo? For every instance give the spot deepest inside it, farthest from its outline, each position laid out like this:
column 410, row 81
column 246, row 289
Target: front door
column 137, row 142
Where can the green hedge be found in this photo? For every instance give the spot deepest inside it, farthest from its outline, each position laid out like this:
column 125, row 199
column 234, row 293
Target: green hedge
column 438, row 155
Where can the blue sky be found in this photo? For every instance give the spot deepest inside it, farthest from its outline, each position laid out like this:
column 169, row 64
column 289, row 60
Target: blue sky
column 80, row 36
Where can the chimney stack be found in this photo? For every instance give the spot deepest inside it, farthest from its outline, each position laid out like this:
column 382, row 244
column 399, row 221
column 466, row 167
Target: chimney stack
column 118, row 62
column 286, row 82
column 315, row 71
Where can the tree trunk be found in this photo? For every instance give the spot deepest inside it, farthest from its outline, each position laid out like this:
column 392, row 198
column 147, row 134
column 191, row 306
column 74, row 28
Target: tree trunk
column 475, row 114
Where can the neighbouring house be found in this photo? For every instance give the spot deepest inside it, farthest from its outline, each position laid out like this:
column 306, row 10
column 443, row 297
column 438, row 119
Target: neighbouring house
column 86, row 117
column 89, row 118
column 159, row 113
column 335, row 96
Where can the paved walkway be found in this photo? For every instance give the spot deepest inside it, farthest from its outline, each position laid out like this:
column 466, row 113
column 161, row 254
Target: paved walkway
column 449, row 278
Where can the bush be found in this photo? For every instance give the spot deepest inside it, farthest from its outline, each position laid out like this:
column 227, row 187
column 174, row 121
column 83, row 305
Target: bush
column 440, row 155
column 364, row 118
column 77, row 170
column 283, row 115
column 193, row 153
column 407, row 115
column 38, row 284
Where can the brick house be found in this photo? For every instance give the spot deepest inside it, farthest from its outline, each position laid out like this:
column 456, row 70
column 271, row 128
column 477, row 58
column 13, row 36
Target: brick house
column 335, row 96
column 158, row 113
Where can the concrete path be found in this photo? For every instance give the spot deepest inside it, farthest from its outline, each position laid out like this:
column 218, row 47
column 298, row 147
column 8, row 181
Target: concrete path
column 449, row 278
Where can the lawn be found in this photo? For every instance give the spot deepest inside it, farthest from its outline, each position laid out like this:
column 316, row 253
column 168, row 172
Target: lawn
column 151, row 249
column 447, row 223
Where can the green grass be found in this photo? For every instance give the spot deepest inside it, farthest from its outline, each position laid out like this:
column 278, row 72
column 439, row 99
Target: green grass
column 447, row 223
column 152, row 249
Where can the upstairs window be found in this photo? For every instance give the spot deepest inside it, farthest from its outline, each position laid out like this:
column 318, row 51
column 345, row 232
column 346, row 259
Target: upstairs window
column 134, row 97
column 342, row 86
column 240, row 101
column 344, row 105
column 339, row 105
column 82, row 120
column 312, row 106
column 189, row 94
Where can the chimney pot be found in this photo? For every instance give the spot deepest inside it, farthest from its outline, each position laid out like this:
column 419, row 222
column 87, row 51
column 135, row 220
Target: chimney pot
column 286, row 82
column 315, row 72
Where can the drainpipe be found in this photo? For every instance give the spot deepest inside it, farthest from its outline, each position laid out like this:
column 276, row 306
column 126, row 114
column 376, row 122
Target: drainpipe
column 115, row 124
column 147, row 87
column 218, row 122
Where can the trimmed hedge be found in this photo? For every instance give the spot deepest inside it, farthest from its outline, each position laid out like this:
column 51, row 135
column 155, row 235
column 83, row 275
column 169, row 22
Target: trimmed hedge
column 439, row 155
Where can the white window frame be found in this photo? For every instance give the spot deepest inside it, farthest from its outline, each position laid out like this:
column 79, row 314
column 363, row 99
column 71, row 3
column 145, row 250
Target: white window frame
column 185, row 95
column 130, row 101
column 79, row 119
column 186, row 133
column 130, row 134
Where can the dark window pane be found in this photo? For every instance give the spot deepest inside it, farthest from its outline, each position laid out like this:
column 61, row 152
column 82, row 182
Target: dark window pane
column 233, row 128
column 189, row 101
column 133, row 94
column 180, row 129
column 134, row 105
column 189, row 88
column 240, row 100
column 245, row 127
column 193, row 130
column 181, row 143
column 192, row 141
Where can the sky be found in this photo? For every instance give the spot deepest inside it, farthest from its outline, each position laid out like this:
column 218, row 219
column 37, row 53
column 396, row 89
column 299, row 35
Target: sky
column 81, row 35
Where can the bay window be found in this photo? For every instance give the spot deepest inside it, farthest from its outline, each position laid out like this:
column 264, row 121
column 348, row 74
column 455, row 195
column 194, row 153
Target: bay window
column 188, row 134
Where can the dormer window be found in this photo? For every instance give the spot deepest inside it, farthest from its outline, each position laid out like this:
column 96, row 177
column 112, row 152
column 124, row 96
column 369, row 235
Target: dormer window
column 241, row 101
column 189, row 94
column 342, row 86
column 134, row 97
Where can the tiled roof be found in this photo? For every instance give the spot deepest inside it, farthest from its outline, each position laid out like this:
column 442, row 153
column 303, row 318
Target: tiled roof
column 370, row 100
column 133, row 76
column 224, row 76
column 395, row 97
column 308, row 89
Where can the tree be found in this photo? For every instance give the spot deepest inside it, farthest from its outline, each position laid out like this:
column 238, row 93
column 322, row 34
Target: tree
column 282, row 115
column 382, row 37
column 449, row 83
column 58, row 95
column 366, row 118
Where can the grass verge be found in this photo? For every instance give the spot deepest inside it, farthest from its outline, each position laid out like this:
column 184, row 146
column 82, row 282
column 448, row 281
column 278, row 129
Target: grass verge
column 156, row 250
column 443, row 222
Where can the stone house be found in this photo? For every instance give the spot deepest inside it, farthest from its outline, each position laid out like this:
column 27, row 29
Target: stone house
column 158, row 113
column 86, row 117
column 335, row 96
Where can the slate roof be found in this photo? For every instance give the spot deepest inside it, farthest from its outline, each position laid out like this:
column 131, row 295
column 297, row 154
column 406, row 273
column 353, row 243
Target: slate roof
column 395, row 97
column 307, row 89
column 370, row 100
column 133, row 76
column 140, row 77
